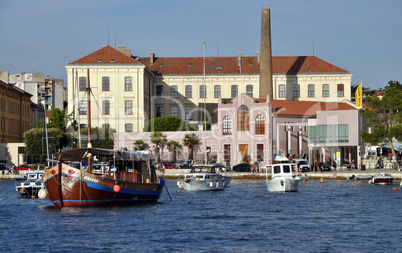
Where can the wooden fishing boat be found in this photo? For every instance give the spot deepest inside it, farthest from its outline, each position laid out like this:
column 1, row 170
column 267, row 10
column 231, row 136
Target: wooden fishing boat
column 123, row 178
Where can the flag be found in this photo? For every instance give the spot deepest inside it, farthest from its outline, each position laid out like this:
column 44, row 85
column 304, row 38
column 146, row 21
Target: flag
column 359, row 96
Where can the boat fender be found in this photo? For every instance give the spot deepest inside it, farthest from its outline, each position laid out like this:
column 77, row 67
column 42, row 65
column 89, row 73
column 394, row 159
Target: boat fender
column 161, row 181
column 321, row 180
column 211, row 184
column 42, row 193
column 23, row 189
column 217, row 184
column 116, row 188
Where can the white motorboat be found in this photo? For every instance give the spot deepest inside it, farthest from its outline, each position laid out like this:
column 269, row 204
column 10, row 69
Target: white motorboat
column 226, row 172
column 381, row 179
column 202, row 178
column 31, row 186
column 282, row 178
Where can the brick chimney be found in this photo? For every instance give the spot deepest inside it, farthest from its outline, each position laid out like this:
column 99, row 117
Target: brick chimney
column 239, row 61
column 266, row 56
column 122, row 49
column 152, row 59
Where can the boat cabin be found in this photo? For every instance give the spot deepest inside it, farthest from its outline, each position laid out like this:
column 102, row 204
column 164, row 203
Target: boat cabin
column 34, row 175
column 282, row 170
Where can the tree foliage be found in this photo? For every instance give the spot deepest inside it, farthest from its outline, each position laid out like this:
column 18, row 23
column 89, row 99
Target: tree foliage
column 166, row 124
column 191, row 141
column 35, row 141
column 100, row 137
column 384, row 117
column 140, row 145
column 58, row 119
column 157, row 139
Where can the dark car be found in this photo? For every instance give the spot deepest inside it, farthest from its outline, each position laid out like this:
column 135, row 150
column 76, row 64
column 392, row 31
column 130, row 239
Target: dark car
column 242, row 167
column 323, row 166
column 3, row 166
column 185, row 164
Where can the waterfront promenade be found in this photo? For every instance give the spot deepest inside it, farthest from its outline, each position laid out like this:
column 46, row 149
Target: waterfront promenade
column 327, row 175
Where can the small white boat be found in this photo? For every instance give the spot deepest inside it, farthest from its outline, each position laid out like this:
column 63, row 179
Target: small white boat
column 282, row 178
column 202, row 178
column 31, row 186
column 226, row 172
column 381, row 179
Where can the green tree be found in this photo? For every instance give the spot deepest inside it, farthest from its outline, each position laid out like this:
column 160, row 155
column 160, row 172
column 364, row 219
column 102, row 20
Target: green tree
column 157, row 139
column 191, row 141
column 36, row 144
column 173, row 146
column 167, row 123
column 58, row 119
column 384, row 117
column 100, row 137
column 139, row 145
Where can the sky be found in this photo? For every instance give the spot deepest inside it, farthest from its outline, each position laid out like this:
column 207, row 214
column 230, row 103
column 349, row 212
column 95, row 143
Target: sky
column 363, row 37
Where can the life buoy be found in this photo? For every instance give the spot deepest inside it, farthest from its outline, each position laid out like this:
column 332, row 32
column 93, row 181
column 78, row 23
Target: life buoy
column 71, row 171
column 52, row 172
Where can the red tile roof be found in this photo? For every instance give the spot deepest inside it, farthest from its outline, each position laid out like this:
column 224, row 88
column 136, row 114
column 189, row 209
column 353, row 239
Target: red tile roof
column 108, row 55
column 214, row 65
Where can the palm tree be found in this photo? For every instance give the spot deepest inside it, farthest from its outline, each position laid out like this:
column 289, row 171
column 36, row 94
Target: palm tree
column 157, row 139
column 173, row 146
column 139, row 145
column 191, row 141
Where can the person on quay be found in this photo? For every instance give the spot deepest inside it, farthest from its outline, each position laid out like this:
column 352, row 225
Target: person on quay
column 316, row 165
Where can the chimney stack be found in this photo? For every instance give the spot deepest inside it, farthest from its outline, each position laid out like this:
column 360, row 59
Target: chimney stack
column 239, row 61
column 266, row 56
column 152, row 59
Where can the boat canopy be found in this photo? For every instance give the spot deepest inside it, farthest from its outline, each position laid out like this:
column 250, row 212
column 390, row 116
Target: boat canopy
column 81, row 154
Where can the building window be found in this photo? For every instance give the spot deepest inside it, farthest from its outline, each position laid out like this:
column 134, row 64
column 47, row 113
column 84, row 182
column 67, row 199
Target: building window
column 260, row 124
column 173, row 91
column 325, row 90
column 203, row 91
column 189, row 91
column 226, row 154
column 174, row 111
column 128, row 83
column 83, row 107
column 234, row 91
column 260, row 152
column 329, row 133
column 129, row 127
column 128, row 107
column 159, row 91
column 106, row 125
column 189, row 113
column 340, row 88
column 249, row 90
column 105, row 83
column 281, row 90
column 105, row 107
column 243, row 119
column 296, row 90
column 83, row 83
column 227, row 125
column 311, row 90
column 159, row 111
column 217, row 91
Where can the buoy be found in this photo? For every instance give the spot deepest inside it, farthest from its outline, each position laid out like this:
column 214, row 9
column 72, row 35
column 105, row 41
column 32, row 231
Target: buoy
column 396, row 188
column 321, row 180
column 33, row 196
column 304, row 180
column 42, row 193
column 116, row 188
column 23, row 189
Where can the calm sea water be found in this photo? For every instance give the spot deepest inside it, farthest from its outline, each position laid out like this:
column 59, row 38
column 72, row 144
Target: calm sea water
column 336, row 216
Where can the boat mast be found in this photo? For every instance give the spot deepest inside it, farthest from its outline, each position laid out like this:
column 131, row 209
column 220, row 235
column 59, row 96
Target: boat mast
column 89, row 121
column 205, row 107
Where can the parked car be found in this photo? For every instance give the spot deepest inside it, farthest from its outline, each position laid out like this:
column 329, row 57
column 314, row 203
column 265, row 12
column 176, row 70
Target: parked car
column 323, row 166
column 304, row 166
column 242, row 167
column 185, row 164
column 24, row 167
column 169, row 166
column 3, row 166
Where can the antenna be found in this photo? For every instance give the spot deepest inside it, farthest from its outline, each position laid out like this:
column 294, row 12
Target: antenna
column 313, row 47
column 217, row 48
column 108, row 36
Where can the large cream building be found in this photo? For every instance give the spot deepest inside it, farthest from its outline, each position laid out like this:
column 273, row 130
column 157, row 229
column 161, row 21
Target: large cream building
column 129, row 90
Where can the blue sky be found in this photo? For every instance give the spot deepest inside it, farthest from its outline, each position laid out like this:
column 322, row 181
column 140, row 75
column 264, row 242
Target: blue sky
column 362, row 36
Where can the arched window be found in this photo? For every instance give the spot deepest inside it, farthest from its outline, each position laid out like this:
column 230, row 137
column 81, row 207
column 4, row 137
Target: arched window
column 311, row 90
column 296, row 90
column 234, row 91
column 227, row 125
column 340, row 89
column 325, row 90
column 260, row 124
column 105, row 83
column 249, row 90
column 243, row 118
column 128, row 83
column 173, row 91
column 281, row 91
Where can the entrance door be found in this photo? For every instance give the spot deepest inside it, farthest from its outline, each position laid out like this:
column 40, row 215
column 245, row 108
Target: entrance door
column 243, row 148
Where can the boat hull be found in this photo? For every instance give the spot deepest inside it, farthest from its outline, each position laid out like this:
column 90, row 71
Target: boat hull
column 80, row 188
column 201, row 185
column 381, row 181
column 28, row 191
column 283, row 185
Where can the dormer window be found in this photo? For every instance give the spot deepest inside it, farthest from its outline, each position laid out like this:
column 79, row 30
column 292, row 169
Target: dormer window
column 160, row 65
column 112, row 60
column 99, row 60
